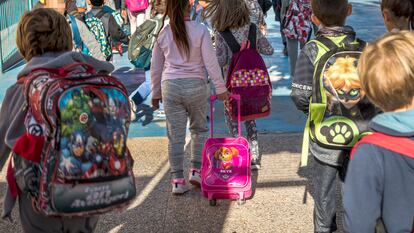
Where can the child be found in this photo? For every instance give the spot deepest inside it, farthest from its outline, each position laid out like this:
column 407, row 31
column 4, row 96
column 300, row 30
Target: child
column 44, row 40
column 239, row 25
column 342, row 96
column 398, row 14
column 256, row 15
column 114, row 33
column 181, row 54
column 86, row 38
column 379, row 182
column 297, row 28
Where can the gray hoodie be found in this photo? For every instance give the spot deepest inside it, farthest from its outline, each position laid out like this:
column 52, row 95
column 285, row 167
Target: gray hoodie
column 12, row 114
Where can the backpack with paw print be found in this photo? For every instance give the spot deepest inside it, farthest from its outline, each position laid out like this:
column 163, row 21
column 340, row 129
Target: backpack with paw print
column 339, row 110
column 73, row 159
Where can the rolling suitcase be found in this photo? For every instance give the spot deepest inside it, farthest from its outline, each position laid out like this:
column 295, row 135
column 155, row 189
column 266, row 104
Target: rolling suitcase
column 225, row 169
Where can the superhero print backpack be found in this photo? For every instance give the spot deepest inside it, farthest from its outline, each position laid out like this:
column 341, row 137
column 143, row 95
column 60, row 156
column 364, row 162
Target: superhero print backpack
column 73, row 159
column 247, row 77
column 339, row 111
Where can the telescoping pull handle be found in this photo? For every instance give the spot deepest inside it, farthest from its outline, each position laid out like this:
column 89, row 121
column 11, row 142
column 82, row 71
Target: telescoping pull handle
column 214, row 98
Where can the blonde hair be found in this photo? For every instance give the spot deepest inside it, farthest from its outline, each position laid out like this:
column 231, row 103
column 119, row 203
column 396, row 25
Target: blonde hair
column 386, row 70
column 227, row 14
column 43, row 30
column 343, row 73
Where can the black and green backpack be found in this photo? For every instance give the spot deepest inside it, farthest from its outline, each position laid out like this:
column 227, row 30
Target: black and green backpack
column 339, row 110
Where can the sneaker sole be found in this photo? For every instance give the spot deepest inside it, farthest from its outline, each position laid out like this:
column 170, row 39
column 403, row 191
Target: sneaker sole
column 179, row 193
column 195, row 183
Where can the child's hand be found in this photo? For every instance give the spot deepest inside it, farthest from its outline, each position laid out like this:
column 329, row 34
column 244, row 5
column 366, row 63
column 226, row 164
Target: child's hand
column 223, row 96
column 156, row 103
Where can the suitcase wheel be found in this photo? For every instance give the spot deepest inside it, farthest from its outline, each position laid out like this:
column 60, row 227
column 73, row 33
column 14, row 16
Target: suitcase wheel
column 213, row 202
column 241, row 201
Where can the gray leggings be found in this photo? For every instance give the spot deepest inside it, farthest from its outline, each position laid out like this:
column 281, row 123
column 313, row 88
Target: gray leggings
column 185, row 98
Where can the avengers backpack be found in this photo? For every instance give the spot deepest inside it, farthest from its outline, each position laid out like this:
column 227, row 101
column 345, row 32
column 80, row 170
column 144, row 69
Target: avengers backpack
column 73, row 159
column 339, row 110
column 249, row 78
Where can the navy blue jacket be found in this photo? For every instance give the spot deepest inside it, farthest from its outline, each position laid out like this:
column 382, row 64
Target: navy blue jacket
column 380, row 183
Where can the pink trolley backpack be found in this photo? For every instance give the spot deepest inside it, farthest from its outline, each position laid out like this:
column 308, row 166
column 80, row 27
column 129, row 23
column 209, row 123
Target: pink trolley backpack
column 248, row 77
column 225, row 170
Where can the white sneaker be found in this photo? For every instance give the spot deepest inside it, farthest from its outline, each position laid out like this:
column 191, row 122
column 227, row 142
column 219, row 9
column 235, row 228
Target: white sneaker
column 179, row 186
column 195, row 177
column 159, row 115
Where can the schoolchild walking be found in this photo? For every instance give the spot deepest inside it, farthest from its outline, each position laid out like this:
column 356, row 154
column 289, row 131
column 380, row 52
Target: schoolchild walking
column 83, row 40
column 44, row 40
column 240, row 27
column 182, row 53
column 112, row 34
column 297, row 28
column 379, row 192
column 327, row 89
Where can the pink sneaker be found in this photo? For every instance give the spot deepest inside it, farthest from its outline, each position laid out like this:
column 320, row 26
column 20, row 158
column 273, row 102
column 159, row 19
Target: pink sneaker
column 195, row 177
column 179, row 186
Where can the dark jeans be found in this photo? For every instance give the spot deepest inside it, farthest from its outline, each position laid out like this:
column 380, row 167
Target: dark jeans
column 324, row 183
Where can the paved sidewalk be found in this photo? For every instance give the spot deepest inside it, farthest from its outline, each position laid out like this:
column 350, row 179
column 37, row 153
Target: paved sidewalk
column 281, row 203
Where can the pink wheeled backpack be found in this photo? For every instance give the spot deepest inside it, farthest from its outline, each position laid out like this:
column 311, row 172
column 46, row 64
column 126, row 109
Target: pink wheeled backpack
column 225, row 169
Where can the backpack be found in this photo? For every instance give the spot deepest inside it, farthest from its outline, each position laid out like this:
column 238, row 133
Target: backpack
column 265, row 5
column 73, row 159
column 142, row 43
column 400, row 145
column 96, row 26
column 136, row 5
column 297, row 23
column 339, row 110
column 249, row 78
column 118, row 17
column 79, row 45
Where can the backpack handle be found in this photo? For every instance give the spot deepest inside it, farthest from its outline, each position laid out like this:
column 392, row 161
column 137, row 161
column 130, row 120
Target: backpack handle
column 69, row 68
column 214, row 98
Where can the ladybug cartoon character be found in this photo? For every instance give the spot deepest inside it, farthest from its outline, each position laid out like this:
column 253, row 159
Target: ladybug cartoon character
column 224, row 156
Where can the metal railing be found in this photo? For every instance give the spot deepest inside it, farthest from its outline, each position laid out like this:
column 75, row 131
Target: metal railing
column 10, row 13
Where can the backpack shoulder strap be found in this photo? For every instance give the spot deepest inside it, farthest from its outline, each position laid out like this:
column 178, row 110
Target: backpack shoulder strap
column 327, row 42
column 231, row 41
column 400, row 145
column 253, row 36
column 76, row 35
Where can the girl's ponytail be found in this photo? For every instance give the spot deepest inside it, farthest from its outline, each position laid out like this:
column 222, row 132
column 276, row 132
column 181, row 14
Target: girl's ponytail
column 175, row 10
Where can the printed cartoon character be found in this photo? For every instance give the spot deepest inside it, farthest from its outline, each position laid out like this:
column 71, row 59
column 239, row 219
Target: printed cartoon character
column 117, row 161
column 94, row 154
column 78, row 148
column 225, row 156
column 342, row 83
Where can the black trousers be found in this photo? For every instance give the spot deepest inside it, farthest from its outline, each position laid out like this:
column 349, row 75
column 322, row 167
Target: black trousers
column 325, row 182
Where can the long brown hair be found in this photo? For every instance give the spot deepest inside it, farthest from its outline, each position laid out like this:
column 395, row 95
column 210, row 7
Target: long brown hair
column 175, row 10
column 227, row 14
